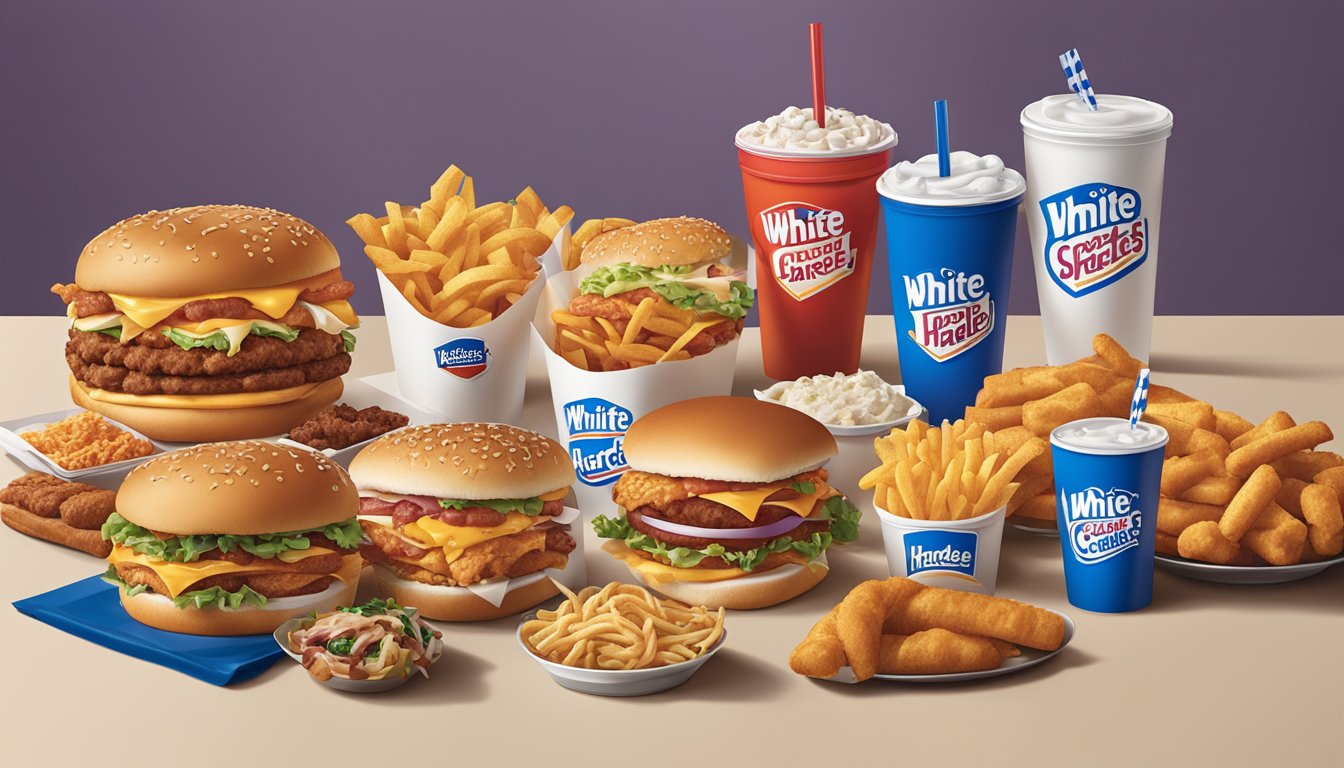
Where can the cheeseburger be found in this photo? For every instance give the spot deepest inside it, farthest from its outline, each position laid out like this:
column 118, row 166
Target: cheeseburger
column 680, row 263
column 234, row 538
column 453, row 510
column 214, row 322
column 726, row 503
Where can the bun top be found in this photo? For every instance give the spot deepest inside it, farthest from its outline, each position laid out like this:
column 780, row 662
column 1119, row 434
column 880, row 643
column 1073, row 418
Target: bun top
column 463, row 461
column 246, row 488
column 660, row 242
column 204, row 249
column 735, row 439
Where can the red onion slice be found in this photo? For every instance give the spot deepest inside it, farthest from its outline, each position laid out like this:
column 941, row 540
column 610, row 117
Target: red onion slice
column 770, row 531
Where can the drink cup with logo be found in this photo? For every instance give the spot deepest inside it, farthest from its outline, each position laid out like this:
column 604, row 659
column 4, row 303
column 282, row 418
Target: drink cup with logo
column 1107, row 480
column 950, row 250
column 465, row 374
column 813, row 220
column 1094, row 206
column 956, row 554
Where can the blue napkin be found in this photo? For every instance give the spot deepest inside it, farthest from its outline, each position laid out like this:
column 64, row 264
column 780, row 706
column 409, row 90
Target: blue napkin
column 91, row 609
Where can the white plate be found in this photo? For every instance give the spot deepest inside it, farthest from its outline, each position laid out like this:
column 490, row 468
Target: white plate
column 1048, row 531
column 337, row 682
column 1245, row 575
column 915, row 411
column 618, row 682
column 102, row 476
column 360, row 394
column 1029, row 658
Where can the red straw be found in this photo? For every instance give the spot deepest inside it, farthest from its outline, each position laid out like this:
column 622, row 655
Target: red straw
column 818, row 75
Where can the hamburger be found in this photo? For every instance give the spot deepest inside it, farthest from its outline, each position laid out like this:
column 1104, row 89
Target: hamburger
column 678, row 262
column 234, row 538
column 455, row 509
column 726, row 503
column 215, row 322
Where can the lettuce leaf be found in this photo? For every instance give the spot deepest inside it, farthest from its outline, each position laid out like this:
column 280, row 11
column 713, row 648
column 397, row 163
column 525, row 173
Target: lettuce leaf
column 529, row 507
column 114, row 332
column 844, row 518
column 348, row 339
column 618, row 278
column 185, row 549
column 219, row 341
column 686, row 557
column 214, row 597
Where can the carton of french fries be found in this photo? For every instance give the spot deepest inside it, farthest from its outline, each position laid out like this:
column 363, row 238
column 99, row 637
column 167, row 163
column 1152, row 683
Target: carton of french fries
column 460, row 283
column 593, row 408
column 941, row 494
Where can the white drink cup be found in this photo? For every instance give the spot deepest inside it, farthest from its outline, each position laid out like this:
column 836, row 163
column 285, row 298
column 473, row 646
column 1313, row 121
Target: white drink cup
column 1094, row 209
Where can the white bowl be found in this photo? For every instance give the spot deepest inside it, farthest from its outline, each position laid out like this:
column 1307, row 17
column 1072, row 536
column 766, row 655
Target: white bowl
column 336, row 681
column 618, row 682
column 860, row 430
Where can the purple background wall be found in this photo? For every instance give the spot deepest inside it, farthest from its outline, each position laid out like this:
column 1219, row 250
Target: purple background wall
column 327, row 108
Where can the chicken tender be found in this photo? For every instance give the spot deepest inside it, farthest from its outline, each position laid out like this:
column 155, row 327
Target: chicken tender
column 89, row 510
column 936, row 652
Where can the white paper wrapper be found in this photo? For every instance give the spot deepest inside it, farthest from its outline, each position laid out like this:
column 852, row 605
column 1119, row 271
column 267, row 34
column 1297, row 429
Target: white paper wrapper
column 593, row 409
column 465, row 374
column 574, row 575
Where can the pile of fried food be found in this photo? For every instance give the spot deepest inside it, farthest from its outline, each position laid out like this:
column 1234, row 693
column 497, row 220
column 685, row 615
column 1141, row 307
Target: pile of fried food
column 341, row 426
column 1233, row 492
column 87, row 440
column 901, row 627
column 457, row 263
column 621, row 626
column 59, row 511
column 957, row 471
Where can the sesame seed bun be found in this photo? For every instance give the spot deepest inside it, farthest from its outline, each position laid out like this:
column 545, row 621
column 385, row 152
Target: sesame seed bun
column 203, row 249
column 735, row 439
column 463, row 461
column 660, row 242
column 246, row 488
column 189, row 422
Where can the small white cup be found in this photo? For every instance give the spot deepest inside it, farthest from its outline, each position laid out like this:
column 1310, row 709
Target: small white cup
column 956, row 554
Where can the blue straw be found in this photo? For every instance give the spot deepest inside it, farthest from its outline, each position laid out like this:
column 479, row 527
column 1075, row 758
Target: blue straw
column 940, row 132
column 1140, row 402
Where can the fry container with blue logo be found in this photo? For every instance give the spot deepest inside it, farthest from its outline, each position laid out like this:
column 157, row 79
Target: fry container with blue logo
column 1108, row 476
column 955, row 554
column 593, row 409
column 465, row 374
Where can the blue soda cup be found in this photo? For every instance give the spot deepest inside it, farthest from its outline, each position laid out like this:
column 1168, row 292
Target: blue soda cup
column 950, row 250
column 1107, row 480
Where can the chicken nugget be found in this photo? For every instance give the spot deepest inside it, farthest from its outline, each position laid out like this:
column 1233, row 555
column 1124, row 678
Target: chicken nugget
column 1325, row 524
column 974, row 614
column 1181, row 473
column 821, row 653
column 1205, row 542
column 1247, row 506
column 1333, row 477
column 936, row 652
column 1305, row 465
column 1175, row 516
column 1242, row 461
column 1217, row 491
column 88, row 510
column 858, row 624
column 1277, row 537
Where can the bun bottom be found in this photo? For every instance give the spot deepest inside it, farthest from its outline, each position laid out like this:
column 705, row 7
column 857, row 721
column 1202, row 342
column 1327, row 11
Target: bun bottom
column 762, row 590
column 461, row 604
column 207, row 425
column 158, row 611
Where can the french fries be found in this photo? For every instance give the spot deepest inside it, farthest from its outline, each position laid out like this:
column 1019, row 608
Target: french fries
column 621, row 626
column 952, row 472
column 586, row 232
column 457, row 263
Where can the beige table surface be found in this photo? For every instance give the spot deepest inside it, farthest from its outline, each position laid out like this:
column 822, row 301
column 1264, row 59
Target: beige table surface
column 1209, row 674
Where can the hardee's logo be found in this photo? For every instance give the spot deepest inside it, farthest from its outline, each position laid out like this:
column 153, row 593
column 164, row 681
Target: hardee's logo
column 1095, row 235
column 940, row 551
column 596, row 430
column 952, row 311
column 1101, row 524
column 811, row 251
column 465, row 358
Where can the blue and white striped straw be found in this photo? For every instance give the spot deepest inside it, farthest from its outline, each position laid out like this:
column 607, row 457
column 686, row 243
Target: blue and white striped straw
column 1140, row 402
column 1077, row 77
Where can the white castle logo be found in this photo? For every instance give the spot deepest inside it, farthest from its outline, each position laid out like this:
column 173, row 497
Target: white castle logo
column 1101, row 524
column 812, row 250
column 952, row 311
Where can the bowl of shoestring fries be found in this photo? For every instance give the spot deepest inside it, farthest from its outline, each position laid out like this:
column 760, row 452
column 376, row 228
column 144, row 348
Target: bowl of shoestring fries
column 621, row 640
column 941, row 494
column 460, row 282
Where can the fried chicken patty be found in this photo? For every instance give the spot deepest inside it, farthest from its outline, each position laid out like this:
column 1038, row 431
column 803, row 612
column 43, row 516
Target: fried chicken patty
column 279, row 584
column 97, row 302
column 118, row 379
column 517, row 554
column 154, row 353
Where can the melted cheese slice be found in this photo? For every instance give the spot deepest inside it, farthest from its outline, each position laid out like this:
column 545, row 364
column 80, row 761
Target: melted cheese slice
column 203, row 402
column 179, row 577
column 748, row 503
column 454, row 539
column 556, row 495
column 148, row 311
